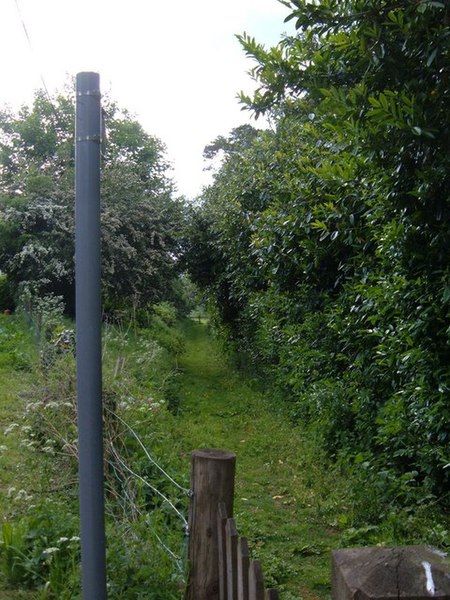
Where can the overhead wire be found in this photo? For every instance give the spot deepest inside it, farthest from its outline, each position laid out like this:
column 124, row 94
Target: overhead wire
column 41, row 75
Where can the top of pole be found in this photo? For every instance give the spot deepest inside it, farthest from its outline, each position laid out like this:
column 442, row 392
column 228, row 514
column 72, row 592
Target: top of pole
column 88, row 84
column 88, row 76
column 88, row 118
column 214, row 454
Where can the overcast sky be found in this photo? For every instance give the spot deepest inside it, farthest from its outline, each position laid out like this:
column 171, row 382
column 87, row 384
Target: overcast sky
column 175, row 64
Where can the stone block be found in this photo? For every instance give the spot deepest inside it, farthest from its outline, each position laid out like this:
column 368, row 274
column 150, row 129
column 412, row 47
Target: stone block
column 401, row 573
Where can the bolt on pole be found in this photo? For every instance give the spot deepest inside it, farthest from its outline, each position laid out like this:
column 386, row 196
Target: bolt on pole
column 88, row 343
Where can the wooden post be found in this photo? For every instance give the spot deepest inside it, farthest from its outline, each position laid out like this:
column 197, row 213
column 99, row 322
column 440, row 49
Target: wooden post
column 222, row 554
column 212, row 482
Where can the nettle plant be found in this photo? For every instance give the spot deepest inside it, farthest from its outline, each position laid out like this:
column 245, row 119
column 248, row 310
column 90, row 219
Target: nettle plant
column 42, row 549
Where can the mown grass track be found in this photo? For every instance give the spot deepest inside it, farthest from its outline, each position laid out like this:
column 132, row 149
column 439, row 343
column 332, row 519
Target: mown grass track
column 287, row 502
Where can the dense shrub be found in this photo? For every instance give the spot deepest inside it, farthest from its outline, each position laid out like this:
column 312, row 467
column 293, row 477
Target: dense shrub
column 324, row 241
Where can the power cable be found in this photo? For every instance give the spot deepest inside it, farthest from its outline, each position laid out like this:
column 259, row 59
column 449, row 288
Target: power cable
column 41, row 76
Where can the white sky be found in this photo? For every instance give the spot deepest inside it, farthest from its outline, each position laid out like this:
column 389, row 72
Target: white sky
column 175, row 64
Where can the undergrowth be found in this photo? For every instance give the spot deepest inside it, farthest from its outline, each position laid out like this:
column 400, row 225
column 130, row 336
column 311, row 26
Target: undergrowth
column 145, row 510
column 168, row 390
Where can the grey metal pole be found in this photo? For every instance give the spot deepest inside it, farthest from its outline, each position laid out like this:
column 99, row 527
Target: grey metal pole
column 88, row 321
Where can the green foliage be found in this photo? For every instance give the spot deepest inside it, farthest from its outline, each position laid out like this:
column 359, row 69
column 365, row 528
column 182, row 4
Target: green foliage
column 14, row 360
column 11, row 554
column 6, row 299
column 39, row 549
column 162, row 322
column 240, row 138
column 165, row 312
column 324, row 242
column 43, row 314
column 16, row 343
column 141, row 221
column 292, row 504
column 141, row 568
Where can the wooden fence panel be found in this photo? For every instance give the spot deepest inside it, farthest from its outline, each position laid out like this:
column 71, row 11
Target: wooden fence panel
column 256, row 581
column 243, row 568
column 220, row 561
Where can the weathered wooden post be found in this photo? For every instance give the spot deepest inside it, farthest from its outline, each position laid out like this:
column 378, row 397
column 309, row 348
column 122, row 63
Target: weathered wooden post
column 222, row 550
column 406, row 572
column 212, row 482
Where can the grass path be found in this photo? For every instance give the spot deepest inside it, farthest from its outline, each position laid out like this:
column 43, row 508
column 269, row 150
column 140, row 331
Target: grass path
column 286, row 502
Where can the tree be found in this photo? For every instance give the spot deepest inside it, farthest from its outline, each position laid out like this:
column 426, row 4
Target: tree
column 240, row 138
column 140, row 218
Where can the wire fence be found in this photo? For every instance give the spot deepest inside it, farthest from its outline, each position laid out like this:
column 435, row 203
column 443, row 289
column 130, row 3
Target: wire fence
column 147, row 454
column 122, row 480
column 127, row 500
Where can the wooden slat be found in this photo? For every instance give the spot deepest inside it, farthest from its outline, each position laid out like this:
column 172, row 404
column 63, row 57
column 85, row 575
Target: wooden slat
column 256, row 581
column 222, row 550
column 243, row 567
column 231, row 550
column 239, row 578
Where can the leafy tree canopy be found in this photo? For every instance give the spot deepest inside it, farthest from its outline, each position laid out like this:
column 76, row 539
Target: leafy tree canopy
column 140, row 218
column 240, row 138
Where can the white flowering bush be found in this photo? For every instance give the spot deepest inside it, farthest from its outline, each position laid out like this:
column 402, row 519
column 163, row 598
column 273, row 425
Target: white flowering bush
column 141, row 219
